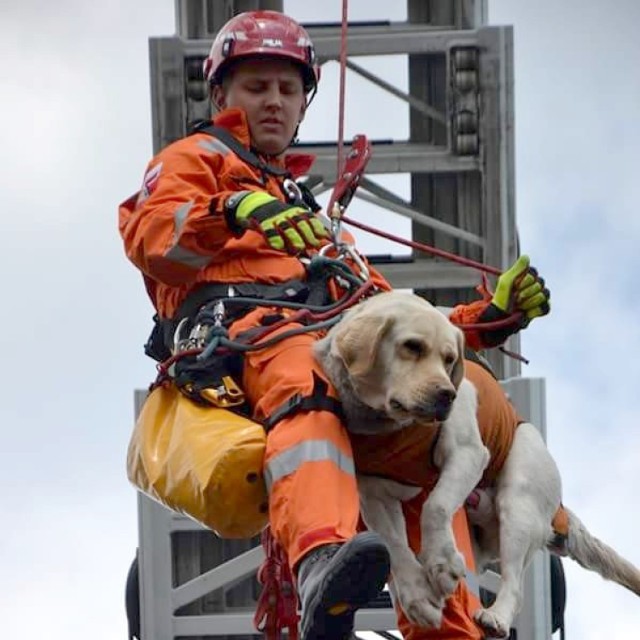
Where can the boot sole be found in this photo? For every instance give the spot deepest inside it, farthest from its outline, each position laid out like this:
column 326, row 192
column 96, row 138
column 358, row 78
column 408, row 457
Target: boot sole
column 355, row 576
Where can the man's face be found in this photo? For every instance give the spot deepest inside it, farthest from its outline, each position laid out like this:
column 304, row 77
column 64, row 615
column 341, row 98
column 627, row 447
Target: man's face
column 272, row 95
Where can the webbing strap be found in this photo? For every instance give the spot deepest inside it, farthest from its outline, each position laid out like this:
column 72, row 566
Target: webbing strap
column 238, row 148
column 319, row 400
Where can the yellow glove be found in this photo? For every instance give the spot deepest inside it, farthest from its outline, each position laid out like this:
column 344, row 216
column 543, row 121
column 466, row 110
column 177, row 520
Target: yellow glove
column 520, row 288
column 285, row 227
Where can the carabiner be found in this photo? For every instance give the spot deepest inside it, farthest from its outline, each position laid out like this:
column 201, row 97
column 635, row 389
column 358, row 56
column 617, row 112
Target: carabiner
column 292, row 190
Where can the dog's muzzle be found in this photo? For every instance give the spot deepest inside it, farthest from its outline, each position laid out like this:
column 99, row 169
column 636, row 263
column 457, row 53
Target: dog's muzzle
column 436, row 407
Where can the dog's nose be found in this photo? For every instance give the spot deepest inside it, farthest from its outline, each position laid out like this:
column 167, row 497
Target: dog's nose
column 444, row 397
column 443, row 400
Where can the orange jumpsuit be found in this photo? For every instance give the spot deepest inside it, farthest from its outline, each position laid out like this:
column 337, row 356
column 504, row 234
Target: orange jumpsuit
column 174, row 231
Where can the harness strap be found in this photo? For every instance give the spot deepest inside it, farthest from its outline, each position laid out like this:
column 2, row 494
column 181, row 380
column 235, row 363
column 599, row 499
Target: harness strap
column 319, row 400
column 238, row 148
column 159, row 343
column 290, row 290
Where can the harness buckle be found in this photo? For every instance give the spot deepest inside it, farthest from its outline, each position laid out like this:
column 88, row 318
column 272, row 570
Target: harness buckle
column 226, row 395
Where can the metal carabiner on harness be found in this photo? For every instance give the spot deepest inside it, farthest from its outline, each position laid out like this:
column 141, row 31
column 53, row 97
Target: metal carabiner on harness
column 344, row 250
column 292, row 190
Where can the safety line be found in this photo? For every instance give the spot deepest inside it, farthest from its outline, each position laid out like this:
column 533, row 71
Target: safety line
column 341, row 92
column 425, row 247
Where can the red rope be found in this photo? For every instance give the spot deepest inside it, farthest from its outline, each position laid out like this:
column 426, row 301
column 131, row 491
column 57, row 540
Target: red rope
column 341, row 98
column 277, row 606
column 341, row 94
column 424, row 247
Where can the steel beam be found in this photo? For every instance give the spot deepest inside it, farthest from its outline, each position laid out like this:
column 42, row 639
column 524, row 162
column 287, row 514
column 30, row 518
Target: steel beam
column 426, row 273
column 394, row 157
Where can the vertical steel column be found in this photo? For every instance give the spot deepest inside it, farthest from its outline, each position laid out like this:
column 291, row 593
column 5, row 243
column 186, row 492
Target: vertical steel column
column 534, row 620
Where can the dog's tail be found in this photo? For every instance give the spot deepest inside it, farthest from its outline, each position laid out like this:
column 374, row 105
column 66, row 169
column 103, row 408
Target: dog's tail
column 595, row 555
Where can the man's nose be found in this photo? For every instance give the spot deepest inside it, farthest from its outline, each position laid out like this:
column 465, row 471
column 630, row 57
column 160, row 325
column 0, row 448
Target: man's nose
column 274, row 97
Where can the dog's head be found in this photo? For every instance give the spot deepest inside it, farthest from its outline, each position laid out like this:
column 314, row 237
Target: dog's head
column 400, row 355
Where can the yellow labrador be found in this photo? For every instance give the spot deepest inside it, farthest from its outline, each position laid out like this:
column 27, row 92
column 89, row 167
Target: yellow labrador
column 396, row 361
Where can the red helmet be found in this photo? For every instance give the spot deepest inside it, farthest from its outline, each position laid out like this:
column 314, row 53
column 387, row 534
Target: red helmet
column 262, row 33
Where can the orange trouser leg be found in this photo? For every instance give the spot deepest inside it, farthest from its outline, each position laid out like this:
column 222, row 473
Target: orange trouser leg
column 457, row 623
column 313, row 495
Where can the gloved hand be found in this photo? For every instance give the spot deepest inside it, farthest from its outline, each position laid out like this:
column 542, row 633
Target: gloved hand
column 519, row 288
column 286, row 227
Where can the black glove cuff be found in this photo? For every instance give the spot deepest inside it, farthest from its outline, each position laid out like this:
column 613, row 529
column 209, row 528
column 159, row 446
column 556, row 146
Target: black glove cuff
column 230, row 207
column 496, row 337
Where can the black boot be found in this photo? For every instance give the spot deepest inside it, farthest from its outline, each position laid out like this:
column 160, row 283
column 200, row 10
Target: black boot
column 336, row 579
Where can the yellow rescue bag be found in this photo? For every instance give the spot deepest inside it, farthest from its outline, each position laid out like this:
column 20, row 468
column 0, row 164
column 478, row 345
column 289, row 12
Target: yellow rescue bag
column 201, row 461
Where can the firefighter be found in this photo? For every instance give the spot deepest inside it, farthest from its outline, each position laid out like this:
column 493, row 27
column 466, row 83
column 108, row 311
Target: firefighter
column 219, row 210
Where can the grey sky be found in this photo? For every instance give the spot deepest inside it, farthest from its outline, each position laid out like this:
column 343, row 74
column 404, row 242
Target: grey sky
column 75, row 130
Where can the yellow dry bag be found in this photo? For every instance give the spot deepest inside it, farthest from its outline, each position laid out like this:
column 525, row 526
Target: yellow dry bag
column 201, row 461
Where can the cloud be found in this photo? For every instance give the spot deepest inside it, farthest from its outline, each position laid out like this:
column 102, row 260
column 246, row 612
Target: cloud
column 68, row 562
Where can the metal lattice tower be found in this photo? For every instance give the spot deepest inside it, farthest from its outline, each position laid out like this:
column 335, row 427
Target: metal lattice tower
column 459, row 157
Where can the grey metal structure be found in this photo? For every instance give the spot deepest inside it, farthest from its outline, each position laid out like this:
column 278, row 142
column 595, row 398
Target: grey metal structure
column 459, row 156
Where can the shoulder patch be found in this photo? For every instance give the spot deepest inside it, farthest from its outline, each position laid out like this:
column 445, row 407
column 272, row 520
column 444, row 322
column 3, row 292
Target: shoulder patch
column 149, row 183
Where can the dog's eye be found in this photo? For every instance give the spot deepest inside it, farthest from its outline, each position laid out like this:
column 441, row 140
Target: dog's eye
column 414, row 347
column 449, row 359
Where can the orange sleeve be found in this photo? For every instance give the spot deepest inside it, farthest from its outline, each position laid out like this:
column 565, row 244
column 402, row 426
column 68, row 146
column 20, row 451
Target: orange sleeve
column 168, row 227
column 463, row 314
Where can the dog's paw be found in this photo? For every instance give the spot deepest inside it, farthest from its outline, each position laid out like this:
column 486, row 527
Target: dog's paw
column 444, row 570
column 491, row 624
column 416, row 598
column 423, row 614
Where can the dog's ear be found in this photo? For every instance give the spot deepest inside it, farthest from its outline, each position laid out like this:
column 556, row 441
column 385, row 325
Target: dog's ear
column 457, row 373
column 357, row 343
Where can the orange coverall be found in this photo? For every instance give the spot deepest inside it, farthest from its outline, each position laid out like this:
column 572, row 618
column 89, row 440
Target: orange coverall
column 175, row 232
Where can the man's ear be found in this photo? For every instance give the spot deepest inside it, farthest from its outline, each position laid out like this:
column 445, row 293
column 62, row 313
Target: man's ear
column 457, row 373
column 218, row 97
column 358, row 342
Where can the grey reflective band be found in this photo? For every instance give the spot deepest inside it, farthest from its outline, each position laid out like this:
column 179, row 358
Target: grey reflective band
column 473, row 583
column 214, row 145
column 292, row 459
column 187, row 257
column 178, row 254
column 180, row 216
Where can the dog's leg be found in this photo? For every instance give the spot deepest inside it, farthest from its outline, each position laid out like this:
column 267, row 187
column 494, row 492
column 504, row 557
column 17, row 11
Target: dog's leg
column 528, row 494
column 462, row 458
column 381, row 508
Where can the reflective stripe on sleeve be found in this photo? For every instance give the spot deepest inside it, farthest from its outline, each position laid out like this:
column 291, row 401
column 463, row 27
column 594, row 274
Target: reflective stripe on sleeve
column 214, row 145
column 292, row 459
column 179, row 254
